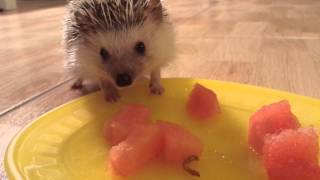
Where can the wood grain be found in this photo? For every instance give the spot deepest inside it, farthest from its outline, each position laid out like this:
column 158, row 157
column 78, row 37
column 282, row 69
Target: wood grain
column 30, row 54
column 268, row 43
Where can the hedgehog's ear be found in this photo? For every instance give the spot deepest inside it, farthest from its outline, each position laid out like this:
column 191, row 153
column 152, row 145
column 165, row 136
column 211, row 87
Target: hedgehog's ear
column 154, row 9
column 154, row 4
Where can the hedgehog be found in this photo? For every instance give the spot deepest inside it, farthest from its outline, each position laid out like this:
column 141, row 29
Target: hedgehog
column 117, row 42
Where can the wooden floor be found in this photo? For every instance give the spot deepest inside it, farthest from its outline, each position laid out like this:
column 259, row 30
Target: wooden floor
column 268, row 43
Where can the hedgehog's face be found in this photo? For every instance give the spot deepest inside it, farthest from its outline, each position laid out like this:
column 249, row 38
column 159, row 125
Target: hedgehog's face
column 123, row 63
column 125, row 68
column 124, row 56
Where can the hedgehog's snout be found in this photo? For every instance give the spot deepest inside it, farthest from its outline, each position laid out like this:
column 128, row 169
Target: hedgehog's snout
column 124, row 79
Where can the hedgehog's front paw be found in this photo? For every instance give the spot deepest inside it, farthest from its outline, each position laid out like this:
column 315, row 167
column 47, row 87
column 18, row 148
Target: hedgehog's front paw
column 77, row 84
column 112, row 97
column 156, row 88
column 110, row 92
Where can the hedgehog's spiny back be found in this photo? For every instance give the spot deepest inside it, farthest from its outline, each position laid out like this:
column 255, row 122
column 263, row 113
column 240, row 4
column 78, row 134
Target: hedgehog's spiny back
column 110, row 14
column 90, row 16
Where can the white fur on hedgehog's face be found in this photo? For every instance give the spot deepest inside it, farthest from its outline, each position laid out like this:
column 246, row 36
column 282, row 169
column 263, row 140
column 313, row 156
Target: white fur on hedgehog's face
column 122, row 57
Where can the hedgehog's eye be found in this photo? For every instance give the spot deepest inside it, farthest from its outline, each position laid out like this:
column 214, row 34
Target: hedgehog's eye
column 104, row 54
column 140, row 48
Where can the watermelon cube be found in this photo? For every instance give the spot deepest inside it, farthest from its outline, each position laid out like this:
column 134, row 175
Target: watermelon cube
column 179, row 143
column 202, row 103
column 292, row 155
column 123, row 122
column 270, row 119
column 141, row 147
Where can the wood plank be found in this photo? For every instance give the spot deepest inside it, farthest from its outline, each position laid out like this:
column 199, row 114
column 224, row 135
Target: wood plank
column 282, row 64
column 8, row 4
column 45, row 102
column 30, row 54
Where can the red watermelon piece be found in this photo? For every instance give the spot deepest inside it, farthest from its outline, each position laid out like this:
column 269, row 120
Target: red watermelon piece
column 292, row 155
column 179, row 143
column 123, row 122
column 141, row 147
column 202, row 103
column 270, row 119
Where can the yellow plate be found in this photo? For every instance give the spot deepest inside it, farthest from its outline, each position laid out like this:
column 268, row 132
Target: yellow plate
column 67, row 143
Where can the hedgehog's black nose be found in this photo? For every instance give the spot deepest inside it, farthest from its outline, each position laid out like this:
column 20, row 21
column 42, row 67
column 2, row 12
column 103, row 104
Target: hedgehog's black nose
column 123, row 80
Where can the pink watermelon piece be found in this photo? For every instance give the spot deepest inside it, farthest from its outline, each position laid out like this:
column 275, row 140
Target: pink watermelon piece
column 292, row 155
column 270, row 119
column 124, row 121
column 179, row 143
column 202, row 103
column 141, row 147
